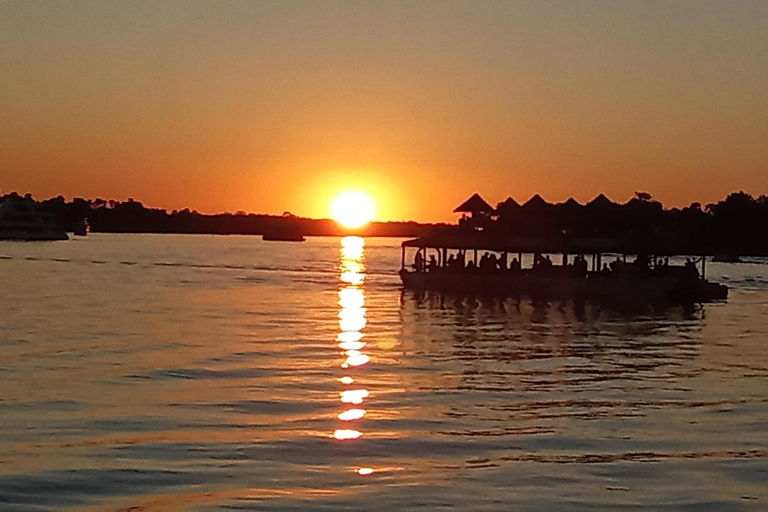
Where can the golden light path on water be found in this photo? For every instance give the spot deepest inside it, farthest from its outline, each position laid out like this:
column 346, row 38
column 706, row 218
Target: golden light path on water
column 349, row 340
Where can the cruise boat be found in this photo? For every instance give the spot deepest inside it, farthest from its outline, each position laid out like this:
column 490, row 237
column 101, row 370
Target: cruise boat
column 471, row 259
column 454, row 265
column 22, row 220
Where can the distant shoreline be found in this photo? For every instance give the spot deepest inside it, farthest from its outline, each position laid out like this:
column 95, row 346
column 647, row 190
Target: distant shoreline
column 737, row 225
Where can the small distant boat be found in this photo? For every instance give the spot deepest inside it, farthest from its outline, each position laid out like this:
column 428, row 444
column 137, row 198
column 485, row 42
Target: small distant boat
column 285, row 233
column 283, row 237
column 22, row 220
column 82, row 228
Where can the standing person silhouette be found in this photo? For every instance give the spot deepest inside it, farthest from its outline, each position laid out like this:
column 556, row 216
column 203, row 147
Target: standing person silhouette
column 418, row 262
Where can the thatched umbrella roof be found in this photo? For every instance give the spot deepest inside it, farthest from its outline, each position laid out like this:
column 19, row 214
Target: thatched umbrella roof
column 474, row 204
column 507, row 207
column 536, row 203
column 601, row 202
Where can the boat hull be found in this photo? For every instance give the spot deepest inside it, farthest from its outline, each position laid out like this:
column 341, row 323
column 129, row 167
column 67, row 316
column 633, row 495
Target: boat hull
column 634, row 289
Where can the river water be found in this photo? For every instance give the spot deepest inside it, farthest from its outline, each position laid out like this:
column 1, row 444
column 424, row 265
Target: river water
column 194, row 373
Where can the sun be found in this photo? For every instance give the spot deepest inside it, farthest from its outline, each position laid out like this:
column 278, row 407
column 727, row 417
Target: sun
column 352, row 209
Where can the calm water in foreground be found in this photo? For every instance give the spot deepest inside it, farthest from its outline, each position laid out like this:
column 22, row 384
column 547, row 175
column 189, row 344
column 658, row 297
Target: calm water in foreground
column 175, row 373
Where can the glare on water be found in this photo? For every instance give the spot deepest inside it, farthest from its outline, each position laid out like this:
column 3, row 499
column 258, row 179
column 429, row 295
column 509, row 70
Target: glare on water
column 351, row 324
column 206, row 373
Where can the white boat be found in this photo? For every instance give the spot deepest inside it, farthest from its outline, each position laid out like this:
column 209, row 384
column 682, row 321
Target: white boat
column 22, row 220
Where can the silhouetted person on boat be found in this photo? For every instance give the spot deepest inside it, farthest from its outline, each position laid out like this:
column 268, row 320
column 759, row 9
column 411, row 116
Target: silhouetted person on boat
column 542, row 265
column 484, row 261
column 488, row 263
column 617, row 266
column 580, row 266
column 663, row 266
column 690, row 270
column 418, row 262
column 432, row 266
column 462, row 263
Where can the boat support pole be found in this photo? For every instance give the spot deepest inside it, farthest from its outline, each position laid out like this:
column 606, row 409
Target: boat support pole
column 402, row 257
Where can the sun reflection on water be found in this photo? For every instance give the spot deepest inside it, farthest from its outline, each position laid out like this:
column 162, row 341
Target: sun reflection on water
column 350, row 342
column 344, row 434
column 353, row 396
column 351, row 414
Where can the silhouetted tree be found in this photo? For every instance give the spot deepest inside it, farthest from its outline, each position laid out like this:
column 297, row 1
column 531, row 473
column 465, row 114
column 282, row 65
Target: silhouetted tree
column 643, row 196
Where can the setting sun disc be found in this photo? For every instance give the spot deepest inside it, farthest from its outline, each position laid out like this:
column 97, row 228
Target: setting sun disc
column 352, row 209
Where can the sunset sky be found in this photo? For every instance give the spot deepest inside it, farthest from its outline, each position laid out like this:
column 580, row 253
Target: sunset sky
column 273, row 106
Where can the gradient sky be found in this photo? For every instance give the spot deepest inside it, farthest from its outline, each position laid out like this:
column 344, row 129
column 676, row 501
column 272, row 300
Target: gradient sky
column 273, row 106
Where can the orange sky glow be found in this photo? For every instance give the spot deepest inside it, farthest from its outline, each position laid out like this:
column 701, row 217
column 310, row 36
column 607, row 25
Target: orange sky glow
column 269, row 107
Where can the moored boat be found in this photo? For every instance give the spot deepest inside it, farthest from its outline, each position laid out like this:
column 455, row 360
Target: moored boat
column 22, row 220
column 81, row 228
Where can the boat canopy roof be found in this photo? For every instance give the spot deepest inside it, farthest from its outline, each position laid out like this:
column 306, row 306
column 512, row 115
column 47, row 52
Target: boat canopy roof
column 486, row 242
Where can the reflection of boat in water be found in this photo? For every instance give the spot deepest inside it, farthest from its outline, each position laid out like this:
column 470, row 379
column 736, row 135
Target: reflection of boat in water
column 22, row 220
column 495, row 309
column 636, row 275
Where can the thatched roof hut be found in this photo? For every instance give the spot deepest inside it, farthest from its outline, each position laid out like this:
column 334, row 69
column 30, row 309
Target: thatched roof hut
column 507, row 207
column 536, row 203
column 474, row 204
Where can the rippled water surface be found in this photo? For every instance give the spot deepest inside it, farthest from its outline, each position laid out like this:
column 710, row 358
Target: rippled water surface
column 175, row 373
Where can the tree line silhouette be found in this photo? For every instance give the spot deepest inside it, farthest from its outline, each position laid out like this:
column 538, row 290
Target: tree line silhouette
column 737, row 224
column 110, row 216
